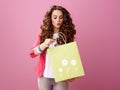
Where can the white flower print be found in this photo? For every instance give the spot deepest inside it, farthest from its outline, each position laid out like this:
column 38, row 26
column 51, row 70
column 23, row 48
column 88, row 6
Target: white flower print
column 60, row 70
column 64, row 62
column 73, row 62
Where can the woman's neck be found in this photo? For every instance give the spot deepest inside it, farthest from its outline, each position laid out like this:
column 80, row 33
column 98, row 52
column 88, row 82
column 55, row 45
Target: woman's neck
column 56, row 30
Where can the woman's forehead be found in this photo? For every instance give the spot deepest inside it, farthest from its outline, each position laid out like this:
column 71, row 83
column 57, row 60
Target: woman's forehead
column 57, row 12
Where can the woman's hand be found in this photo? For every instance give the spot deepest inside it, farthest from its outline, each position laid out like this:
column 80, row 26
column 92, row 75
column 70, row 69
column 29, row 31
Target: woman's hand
column 46, row 43
column 43, row 46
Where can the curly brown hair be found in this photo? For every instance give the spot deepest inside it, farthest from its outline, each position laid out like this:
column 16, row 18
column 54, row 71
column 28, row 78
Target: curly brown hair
column 67, row 27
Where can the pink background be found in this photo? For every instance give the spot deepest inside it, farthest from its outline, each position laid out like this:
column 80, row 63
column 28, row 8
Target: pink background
column 98, row 28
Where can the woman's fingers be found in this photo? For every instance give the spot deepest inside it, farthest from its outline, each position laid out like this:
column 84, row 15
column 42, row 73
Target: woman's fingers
column 48, row 41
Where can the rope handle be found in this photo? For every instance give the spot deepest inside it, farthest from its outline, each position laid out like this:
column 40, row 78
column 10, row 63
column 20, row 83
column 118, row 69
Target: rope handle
column 62, row 35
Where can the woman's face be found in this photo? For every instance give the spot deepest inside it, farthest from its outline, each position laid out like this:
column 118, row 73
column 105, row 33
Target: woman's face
column 57, row 19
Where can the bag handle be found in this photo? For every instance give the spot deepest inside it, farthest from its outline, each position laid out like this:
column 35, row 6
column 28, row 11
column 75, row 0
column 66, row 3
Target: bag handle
column 62, row 35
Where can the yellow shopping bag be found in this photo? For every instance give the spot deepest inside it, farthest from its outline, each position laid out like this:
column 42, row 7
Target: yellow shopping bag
column 66, row 62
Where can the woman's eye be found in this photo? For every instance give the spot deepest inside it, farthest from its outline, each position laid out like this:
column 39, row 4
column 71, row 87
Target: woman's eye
column 61, row 17
column 55, row 17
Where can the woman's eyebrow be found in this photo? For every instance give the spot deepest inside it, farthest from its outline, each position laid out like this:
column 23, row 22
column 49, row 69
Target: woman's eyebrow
column 57, row 15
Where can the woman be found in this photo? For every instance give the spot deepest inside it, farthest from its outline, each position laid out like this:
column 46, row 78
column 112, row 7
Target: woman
column 57, row 19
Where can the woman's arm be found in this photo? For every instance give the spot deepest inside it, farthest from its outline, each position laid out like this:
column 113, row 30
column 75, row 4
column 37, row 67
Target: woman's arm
column 39, row 48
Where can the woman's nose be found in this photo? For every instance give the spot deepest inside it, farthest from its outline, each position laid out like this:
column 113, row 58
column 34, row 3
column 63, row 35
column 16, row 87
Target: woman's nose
column 58, row 19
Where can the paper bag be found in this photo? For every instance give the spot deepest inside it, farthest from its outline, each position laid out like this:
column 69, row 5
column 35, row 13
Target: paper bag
column 66, row 62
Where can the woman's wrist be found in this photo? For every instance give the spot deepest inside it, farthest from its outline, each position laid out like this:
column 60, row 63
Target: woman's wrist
column 42, row 47
column 39, row 49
